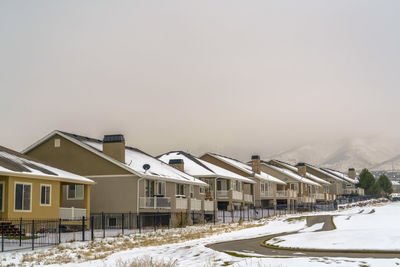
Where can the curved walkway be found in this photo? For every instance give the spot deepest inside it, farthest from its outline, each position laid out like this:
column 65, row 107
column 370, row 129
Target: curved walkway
column 256, row 245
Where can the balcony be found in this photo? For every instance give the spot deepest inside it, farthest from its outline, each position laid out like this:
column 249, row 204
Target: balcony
column 72, row 213
column 248, row 198
column 181, row 204
column 195, row 204
column 154, row 203
column 208, row 205
column 236, row 195
column 222, row 194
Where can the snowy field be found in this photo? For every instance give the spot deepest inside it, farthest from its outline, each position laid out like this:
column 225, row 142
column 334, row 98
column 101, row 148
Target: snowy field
column 195, row 253
column 372, row 228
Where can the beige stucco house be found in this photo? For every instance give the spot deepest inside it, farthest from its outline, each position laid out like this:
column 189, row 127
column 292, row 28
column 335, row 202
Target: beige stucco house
column 225, row 187
column 30, row 189
column 127, row 179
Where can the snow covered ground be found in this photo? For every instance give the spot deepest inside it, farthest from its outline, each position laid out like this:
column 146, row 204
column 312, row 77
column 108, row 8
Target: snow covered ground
column 195, row 253
column 371, row 228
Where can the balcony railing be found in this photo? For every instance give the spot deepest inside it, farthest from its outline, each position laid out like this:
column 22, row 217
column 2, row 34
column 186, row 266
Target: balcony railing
column 181, row 203
column 248, row 198
column 195, row 204
column 72, row 213
column 208, row 205
column 286, row 193
column 320, row 196
column 267, row 194
column 222, row 194
column 154, row 203
column 236, row 195
column 349, row 191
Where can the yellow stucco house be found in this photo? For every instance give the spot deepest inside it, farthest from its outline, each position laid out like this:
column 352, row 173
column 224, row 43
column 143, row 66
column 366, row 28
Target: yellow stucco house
column 30, row 189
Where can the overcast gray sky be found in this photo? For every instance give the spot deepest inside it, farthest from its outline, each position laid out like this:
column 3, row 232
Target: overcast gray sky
column 236, row 77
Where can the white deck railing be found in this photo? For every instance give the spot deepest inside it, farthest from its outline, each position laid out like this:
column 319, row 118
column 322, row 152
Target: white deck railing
column 72, row 213
column 248, row 198
column 267, row 194
column 236, row 195
column 155, row 203
column 222, row 194
column 208, row 205
column 181, row 203
column 195, row 204
column 320, row 196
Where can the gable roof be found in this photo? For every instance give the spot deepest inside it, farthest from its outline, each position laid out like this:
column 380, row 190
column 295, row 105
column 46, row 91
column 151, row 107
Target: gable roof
column 16, row 164
column 247, row 169
column 340, row 175
column 200, row 168
column 308, row 175
column 325, row 172
column 135, row 159
column 291, row 174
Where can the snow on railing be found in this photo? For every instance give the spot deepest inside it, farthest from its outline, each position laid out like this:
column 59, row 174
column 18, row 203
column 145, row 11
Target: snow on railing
column 236, row 195
column 222, row 193
column 248, row 198
column 208, row 205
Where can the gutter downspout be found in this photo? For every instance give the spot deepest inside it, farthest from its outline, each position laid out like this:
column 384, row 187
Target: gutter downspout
column 137, row 200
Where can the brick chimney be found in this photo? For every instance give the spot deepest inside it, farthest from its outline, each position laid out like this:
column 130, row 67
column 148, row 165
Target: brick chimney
column 255, row 163
column 114, row 146
column 352, row 173
column 177, row 164
column 301, row 169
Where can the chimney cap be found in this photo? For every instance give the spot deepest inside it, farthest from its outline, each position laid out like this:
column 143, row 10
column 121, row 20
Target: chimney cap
column 352, row 169
column 114, row 138
column 300, row 164
column 175, row 161
column 255, row 157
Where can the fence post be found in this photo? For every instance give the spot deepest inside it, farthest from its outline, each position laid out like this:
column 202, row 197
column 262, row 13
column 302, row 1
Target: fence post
column 103, row 224
column 192, row 217
column 154, row 222
column 59, row 231
column 92, row 228
column 83, row 228
column 138, row 223
column 181, row 219
column 2, row 238
column 130, row 220
column 214, row 216
column 20, row 231
column 248, row 214
column 33, row 234
column 123, row 222
column 223, row 216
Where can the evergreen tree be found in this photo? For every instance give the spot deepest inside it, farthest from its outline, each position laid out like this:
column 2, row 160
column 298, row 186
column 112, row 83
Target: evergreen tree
column 366, row 181
column 385, row 184
column 375, row 189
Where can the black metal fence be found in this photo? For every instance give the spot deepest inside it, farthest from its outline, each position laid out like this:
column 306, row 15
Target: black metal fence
column 30, row 234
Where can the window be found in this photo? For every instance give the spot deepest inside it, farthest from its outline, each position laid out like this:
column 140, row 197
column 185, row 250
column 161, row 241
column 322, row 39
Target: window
column 262, row 187
column 191, row 191
column 160, row 188
column 23, row 193
column 75, row 192
column 326, row 189
column 1, row 196
column 45, row 195
column 180, row 189
column 309, row 190
column 150, row 188
column 202, row 190
column 57, row 142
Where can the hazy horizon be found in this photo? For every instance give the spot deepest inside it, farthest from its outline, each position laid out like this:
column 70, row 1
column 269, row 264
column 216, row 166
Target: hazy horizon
column 232, row 77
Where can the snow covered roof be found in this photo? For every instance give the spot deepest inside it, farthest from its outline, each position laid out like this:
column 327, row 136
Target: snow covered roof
column 324, row 172
column 341, row 175
column 395, row 182
column 308, row 175
column 16, row 164
column 135, row 159
column 200, row 168
column 291, row 174
column 247, row 169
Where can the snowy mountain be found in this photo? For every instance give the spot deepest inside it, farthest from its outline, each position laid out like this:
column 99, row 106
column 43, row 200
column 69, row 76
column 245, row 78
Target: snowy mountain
column 376, row 153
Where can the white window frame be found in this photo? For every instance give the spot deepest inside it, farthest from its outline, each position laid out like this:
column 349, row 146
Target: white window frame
column 57, row 142
column 2, row 193
column 76, row 198
column 177, row 190
column 163, row 188
column 40, row 198
column 30, row 200
column 191, row 191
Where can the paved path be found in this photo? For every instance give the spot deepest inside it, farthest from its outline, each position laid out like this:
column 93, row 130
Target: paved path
column 254, row 245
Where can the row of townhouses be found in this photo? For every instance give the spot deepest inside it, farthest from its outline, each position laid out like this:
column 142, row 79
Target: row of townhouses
column 68, row 176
